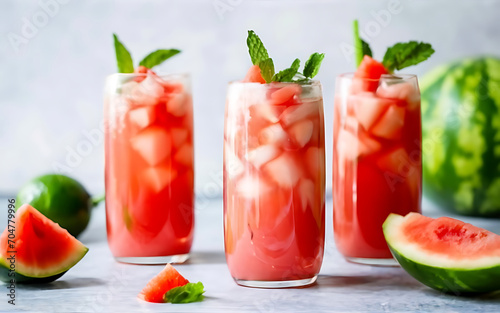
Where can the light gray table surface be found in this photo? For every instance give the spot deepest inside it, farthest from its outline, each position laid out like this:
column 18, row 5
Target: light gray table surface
column 100, row 284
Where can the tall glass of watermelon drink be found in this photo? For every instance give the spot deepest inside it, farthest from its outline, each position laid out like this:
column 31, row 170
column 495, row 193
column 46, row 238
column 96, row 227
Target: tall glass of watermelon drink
column 274, row 180
column 149, row 167
column 377, row 167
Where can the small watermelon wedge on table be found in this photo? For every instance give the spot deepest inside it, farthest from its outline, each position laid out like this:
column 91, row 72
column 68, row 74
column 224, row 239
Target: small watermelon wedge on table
column 170, row 286
column 444, row 253
column 38, row 249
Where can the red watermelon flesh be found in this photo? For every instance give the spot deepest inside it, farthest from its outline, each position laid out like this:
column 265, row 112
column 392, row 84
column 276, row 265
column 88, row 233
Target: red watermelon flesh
column 254, row 75
column 167, row 279
column 366, row 77
column 450, row 237
column 43, row 248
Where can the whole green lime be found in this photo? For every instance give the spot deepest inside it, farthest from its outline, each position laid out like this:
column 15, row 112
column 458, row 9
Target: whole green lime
column 60, row 198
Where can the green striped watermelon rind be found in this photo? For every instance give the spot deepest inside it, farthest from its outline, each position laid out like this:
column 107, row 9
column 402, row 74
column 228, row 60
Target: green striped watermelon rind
column 31, row 275
column 461, row 141
column 443, row 274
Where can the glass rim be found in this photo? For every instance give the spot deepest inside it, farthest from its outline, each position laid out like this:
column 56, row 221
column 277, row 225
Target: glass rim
column 162, row 75
column 385, row 77
column 309, row 83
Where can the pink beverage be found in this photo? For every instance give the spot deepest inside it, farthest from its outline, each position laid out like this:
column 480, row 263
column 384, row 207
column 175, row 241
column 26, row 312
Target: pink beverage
column 274, row 183
column 377, row 168
column 149, row 167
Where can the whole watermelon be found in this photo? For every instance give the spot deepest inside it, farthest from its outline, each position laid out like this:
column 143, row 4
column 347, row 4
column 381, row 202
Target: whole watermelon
column 461, row 136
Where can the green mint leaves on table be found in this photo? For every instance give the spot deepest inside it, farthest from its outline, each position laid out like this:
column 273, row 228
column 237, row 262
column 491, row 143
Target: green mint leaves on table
column 397, row 57
column 259, row 56
column 191, row 292
column 124, row 59
column 405, row 54
column 361, row 47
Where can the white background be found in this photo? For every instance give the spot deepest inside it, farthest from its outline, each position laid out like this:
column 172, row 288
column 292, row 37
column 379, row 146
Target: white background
column 51, row 81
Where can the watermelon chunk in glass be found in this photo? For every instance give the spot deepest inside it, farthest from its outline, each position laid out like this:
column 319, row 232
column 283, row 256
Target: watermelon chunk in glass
column 301, row 132
column 153, row 144
column 283, row 170
column 177, row 104
column 262, row 154
column 285, row 95
column 368, row 109
column 179, row 136
column 142, row 116
column 157, row 178
column 274, row 134
column 184, row 155
column 391, row 124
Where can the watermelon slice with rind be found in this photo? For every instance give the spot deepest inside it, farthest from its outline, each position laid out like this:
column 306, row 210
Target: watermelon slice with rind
column 444, row 253
column 44, row 250
column 166, row 280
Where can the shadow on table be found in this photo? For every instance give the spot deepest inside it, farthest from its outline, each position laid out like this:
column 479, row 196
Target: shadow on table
column 489, row 298
column 206, row 257
column 368, row 282
column 76, row 282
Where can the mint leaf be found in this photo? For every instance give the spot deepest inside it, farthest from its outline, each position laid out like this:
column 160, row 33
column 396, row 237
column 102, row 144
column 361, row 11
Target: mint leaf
column 267, row 69
column 365, row 48
column 361, row 47
column 256, row 49
column 123, row 58
column 287, row 75
column 191, row 292
column 157, row 57
column 406, row 54
column 312, row 65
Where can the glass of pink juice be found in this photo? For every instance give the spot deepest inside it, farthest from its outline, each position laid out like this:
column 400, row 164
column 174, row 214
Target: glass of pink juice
column 149, row 167
column 377, row 167
column 274, row 183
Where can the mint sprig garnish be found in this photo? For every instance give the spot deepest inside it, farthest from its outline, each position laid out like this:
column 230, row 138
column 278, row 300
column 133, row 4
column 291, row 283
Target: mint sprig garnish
column 405, row 54
column 124, row 59
column 267, row 69
column 158, row 57
column 287, row 74
column 397, row 57
column 256, row 49
column 191, row 292
column 312, row 64
column 260, row 56
column 361, row 47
